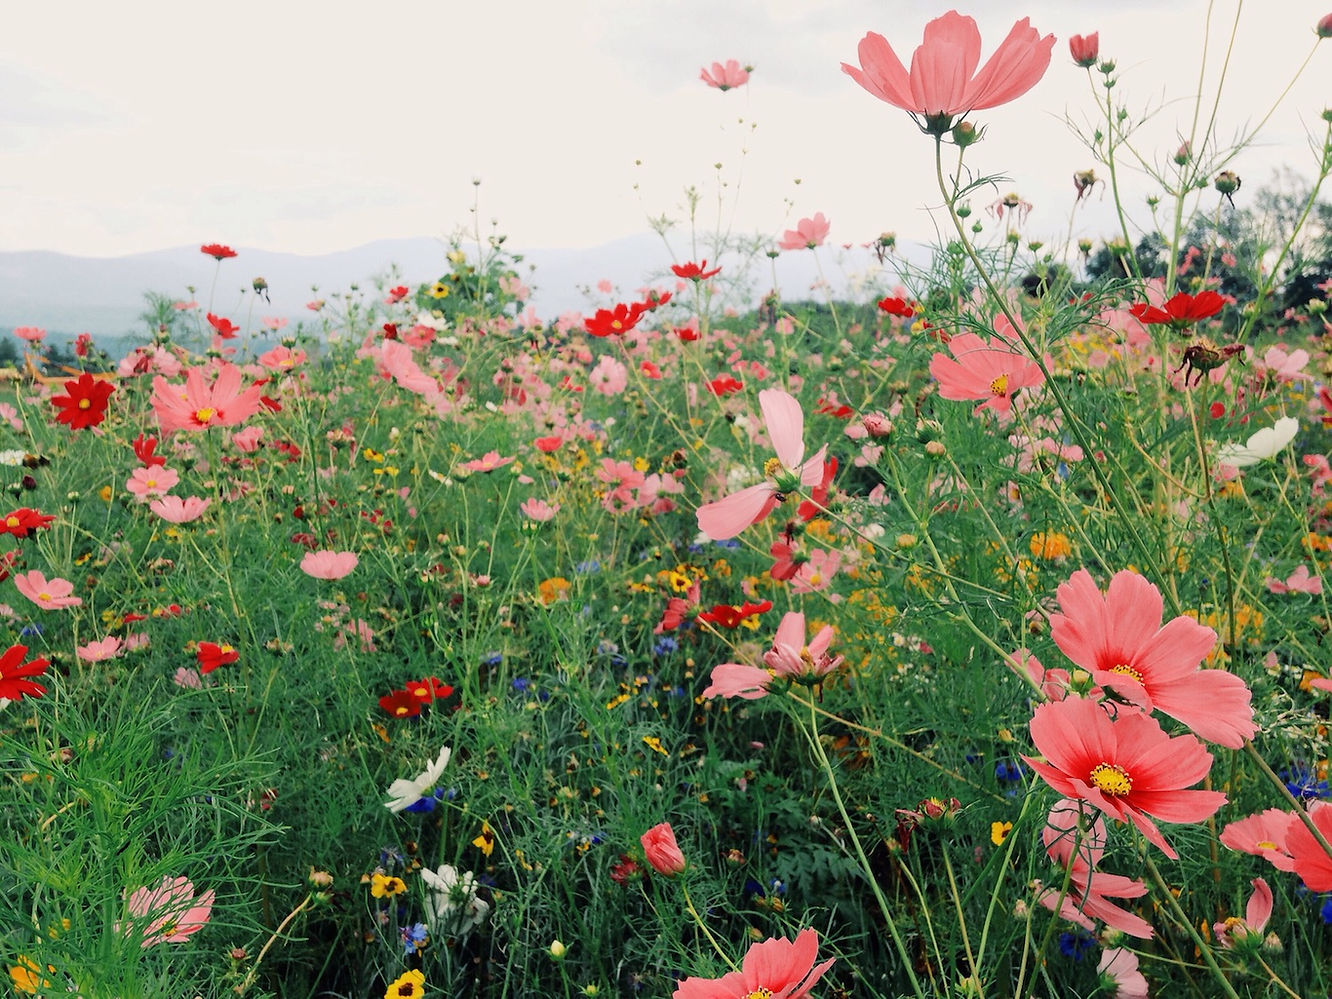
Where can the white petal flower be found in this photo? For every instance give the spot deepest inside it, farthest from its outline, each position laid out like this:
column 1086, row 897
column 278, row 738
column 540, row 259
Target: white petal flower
column 452, row 905
column 1266, row 443
column 403, row 792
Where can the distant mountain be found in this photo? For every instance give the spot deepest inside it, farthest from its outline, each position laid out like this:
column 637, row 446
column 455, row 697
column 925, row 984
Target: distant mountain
column 67, row 294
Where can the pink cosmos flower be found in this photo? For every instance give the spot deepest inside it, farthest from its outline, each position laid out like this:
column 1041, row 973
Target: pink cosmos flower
column 1127, row 767
column 1263, row 835
column 981, row 369
column 326, row 564
column 33, row 334
column 1299, row 581
column 199, row 405
column 178, row 510
column 1118, row 638
column 785, row 421
column 726, row 75
column 1231, row 931
column 791, row 657
column 101, row 650
column 282, row 359
column 609, row 377
column 49, row 594
column 1089, row 890
column 1312, row 863
column 1121, row 965
column 488, row 462
column 943, row 84
column 153, row 480
column 247, row 440
column 662, row 851
column 807, row 234
column 779, row 968
column 539, row 510
column 1085, row 49
column 169, row 913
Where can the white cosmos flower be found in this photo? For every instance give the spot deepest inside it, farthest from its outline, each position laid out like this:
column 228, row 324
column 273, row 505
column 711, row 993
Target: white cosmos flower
column 1266, row 443
column 404, row 793
column 452, row 905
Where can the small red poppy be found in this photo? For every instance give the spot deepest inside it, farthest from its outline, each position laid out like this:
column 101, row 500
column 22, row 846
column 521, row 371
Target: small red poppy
column 694, row 272
column 211, row 656
column 217, row 251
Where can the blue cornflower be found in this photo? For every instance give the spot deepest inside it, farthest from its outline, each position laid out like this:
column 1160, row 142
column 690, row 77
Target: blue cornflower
column 414, row 938
column 1304, row 783
column 493, row 659
column 665, row 645
column 1008, row 771
column 591, row 565
column 1075, row 944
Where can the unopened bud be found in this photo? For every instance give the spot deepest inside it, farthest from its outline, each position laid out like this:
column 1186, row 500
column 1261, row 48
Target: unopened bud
column 965, row 134
column 1227, row 182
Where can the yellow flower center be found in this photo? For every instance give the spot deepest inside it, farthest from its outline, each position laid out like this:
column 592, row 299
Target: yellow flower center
column 205, row 414
column 1128, row 671
column 11, row 522
column 772, row 467
column 1266, row 844
column 44, row 597
column 999, row 386
column 1111, row 779
column 759, row 993
column 85, row 404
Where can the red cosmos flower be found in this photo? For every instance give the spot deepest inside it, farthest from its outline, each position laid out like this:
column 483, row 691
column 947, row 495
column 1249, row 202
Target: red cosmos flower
column 401, row 704
column 23, row 521
column 694, row 272
column 143, row 450
column 549, row 445
column 678, row 609
column 83, row 344
column 211, row 656
column 84, row 405
column 217, row 251
column 429, row 689
column 818, row 494
column 14, row 674
column 725, row 385
column 1085, row 49
column 390, row 331
column 730, row 616
column 827, row 408
column 1128, row 767
column 897, row 307
column 223, row 326
column 397, row 294
column 688, row 333
column 788, row 559
column 617, row 321
column 1181, row 311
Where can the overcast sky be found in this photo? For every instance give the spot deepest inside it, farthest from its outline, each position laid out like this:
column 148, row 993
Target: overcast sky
column 310, row 127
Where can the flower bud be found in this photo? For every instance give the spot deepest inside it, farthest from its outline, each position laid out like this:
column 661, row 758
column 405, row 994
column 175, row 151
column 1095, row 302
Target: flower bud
column 557, row 950
column 965, row 134
column 1084, row 49
column 877, row 425
column 1324, row 26
column 1184, row 153
column 661, row 850
column 1227, row 182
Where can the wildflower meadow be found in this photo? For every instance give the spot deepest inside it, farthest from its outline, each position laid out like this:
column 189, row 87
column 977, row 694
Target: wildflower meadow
column 966, row 640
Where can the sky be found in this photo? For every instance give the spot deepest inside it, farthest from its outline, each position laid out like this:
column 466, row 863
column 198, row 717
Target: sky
column 312, row 127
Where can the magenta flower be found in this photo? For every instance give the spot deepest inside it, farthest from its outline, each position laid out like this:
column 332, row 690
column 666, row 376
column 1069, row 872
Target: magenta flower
column 326, row 564
column 178, row 510
column 807, row 234
column 981, row 369
column 48, row 594
column 943, row 84
column 787, row 472
column 1118, row 638
column 726, row 75
column 779, row 968
column 169, row 913
column 1127, row 767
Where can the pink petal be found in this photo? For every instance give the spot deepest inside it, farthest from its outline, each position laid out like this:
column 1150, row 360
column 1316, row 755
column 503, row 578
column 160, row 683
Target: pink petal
column 786, row 426
column 729, row 516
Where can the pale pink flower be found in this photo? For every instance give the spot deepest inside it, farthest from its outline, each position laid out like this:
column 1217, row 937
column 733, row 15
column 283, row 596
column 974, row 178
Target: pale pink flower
column 539, row 510
column 282, row 359
column 791, row 657
column 817, row 572
column 1121, row 964
column 488, row 462
column 33, row 334
column 785, row 421
column 1118, row 637
column 980, row 369
column 738, row 680
column 49, row 594
column 943, row 84
column 1284, row 367
column 188, row 678
column 1299, row 581
column 199, row 405
column 11, row 416
column 609, row 377
column 1256, row 914
column 100, row 650
column 1263, row 835
column 247, row 440
column 807, row 234
column 725, row 76
column 178, row 510
column 155, row 480
column 169, row 913
column 326, row 564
